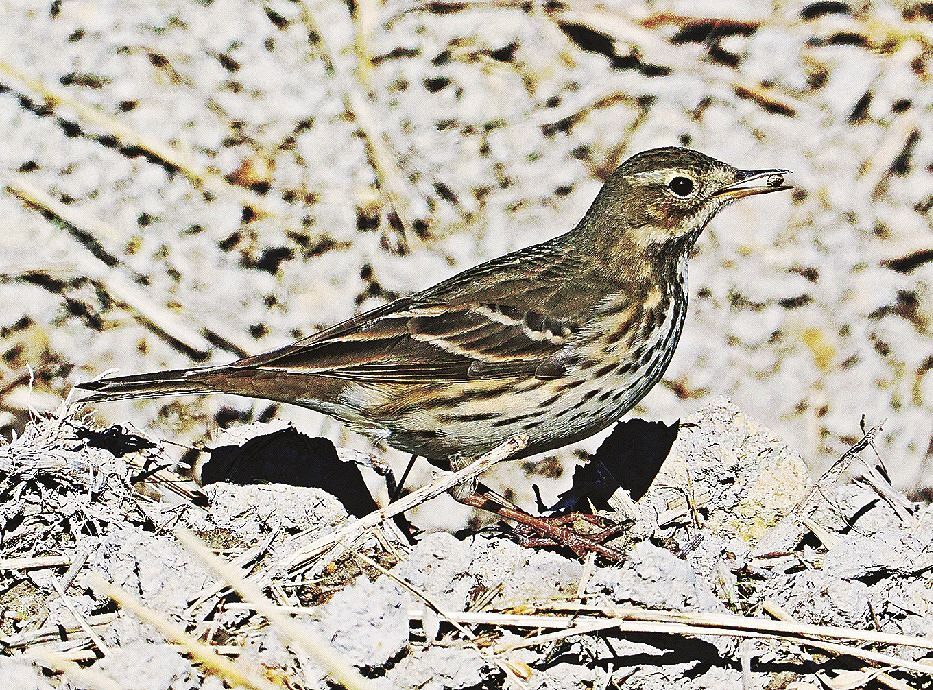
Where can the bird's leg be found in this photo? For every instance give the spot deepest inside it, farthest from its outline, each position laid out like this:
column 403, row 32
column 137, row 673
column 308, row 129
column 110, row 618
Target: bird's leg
column 396, row 493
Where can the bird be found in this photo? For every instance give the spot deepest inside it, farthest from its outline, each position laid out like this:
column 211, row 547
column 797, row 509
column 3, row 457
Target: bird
column 554, row 342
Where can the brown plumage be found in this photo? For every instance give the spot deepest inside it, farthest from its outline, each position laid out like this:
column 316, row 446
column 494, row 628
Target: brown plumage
column 555, row 341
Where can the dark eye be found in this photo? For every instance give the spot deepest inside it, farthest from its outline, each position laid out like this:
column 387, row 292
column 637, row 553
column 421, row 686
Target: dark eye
column 681, row 186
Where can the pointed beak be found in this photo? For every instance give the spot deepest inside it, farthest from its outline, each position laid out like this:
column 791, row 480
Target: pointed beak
column 749, row 182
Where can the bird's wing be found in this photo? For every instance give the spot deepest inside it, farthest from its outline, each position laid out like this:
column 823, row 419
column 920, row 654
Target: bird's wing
column 427, row 342
column 493, row 321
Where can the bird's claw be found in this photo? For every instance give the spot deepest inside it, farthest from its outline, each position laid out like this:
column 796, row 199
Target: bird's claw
column 574, row 531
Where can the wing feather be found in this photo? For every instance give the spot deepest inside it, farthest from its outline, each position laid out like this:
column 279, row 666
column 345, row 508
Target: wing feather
column 498, row 320
column 422, row 346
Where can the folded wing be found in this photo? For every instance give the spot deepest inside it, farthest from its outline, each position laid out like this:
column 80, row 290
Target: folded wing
column 498, row 320
column 427, row 342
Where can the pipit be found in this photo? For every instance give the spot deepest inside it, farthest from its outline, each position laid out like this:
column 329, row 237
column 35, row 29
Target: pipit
column 555, row 341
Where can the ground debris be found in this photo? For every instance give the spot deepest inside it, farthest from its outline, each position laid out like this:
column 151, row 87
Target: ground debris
column 702, row 572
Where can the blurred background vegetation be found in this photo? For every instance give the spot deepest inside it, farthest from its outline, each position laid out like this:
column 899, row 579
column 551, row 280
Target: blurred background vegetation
column 191, row 181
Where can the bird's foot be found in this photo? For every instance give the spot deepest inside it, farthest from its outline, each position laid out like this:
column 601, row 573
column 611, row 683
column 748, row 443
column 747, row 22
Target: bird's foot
column 582, row 533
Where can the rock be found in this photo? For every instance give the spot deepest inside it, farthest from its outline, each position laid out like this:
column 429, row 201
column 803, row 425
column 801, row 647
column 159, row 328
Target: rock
column 653, row 577
column 563, row 676
column 443, row 668
column 367, row 622
column 739, row 478
column 22, row 675
column 149, row 666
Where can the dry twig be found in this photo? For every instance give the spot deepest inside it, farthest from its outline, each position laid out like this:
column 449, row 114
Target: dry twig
column 52, row 633
column 233, row 672
column 121, row 287
column 63, row 663
column 667, row 623
column 354, row 529
column 90, row 117
column 291, row 631
column 34, row 562
column 883, row 678
column 728, row 620
column 399, row 193
column 81, row 619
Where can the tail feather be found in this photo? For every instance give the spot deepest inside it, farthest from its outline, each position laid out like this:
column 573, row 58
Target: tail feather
column 172, row 382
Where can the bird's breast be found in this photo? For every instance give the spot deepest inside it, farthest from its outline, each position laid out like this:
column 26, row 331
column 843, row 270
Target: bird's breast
column 630, row 344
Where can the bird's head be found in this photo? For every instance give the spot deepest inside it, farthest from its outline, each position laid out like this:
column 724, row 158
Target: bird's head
column 663, row 198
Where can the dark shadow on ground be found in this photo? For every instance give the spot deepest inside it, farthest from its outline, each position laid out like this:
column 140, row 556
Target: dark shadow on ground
column 289, row 457
column 670, row 650
column 630, row 458
column 115, row 439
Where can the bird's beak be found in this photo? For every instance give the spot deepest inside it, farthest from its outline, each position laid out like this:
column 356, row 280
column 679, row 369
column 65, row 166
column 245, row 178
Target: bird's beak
column 750, row 182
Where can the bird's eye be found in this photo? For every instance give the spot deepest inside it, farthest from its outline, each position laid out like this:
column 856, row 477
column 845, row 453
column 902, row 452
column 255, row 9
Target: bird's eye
column 681, row 186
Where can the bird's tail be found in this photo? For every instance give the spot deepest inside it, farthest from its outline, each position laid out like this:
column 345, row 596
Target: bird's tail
column 172, row 382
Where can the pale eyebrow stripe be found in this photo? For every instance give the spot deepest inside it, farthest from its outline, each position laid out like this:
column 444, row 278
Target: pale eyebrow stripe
column 661, row 175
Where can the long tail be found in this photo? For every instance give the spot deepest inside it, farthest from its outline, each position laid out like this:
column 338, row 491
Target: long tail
column 173, row 382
